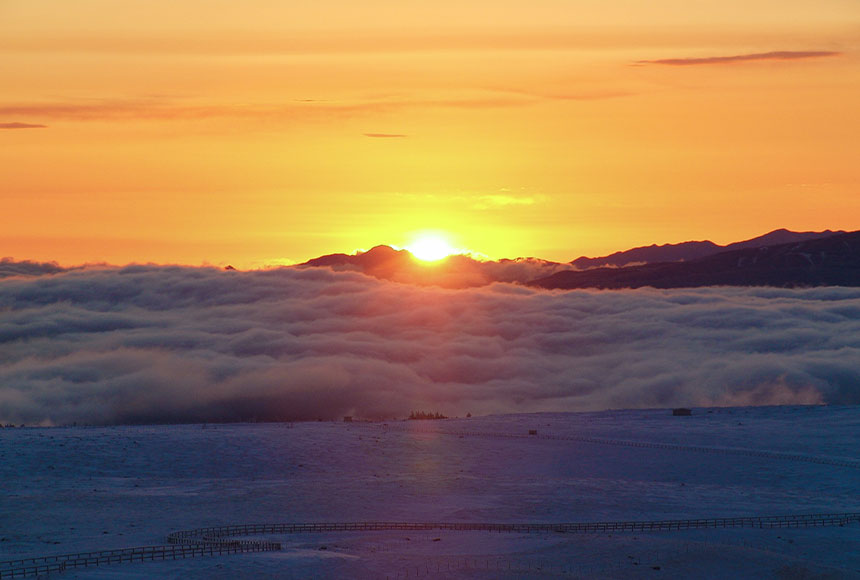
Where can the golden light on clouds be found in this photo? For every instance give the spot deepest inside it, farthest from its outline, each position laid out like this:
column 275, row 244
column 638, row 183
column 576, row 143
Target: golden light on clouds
column 269, row 132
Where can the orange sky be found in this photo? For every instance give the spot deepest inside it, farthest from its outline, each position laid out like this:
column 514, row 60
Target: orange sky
column 261, row 132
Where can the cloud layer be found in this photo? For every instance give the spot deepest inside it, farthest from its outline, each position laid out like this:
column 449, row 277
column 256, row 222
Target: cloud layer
column 10, row 267
column 162, row 344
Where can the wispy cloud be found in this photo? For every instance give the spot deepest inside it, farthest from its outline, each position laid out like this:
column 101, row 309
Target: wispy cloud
column 385, row 135
column 503, row 200
column 169, row 110
column 776, row 55
column 21, row 126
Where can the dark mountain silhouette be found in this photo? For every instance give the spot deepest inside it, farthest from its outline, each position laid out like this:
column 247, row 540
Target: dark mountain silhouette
column 457, row 271
column 379, row 261
column 764, row 260
column 687, row 251
column 821, row 261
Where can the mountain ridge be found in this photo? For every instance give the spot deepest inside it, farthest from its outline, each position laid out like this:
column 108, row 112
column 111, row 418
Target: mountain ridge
column 692, row 250
column 797, row 259
column 818, row 261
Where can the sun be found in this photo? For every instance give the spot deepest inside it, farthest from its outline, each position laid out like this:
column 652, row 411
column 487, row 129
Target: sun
column 430, row 248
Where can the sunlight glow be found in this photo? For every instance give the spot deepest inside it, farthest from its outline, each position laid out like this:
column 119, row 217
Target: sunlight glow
column 430, row 248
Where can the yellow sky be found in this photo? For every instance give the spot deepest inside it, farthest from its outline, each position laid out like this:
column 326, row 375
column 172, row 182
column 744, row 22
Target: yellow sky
column 265, row 131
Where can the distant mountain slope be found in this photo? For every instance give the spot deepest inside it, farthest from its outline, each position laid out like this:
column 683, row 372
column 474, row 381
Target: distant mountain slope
column 379, row 261
column 687, row 251
column 832, row 260
column 458, row 271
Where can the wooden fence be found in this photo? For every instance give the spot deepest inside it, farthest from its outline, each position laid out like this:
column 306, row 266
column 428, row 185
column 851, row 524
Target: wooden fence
column 62, row 562
column 766, row 522
column 220, row 540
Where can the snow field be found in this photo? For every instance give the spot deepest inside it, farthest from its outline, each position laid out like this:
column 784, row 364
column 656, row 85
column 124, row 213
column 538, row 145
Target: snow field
column 81, row 488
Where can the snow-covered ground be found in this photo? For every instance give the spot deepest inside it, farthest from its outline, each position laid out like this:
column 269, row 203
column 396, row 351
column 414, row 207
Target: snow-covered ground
column 77, row 489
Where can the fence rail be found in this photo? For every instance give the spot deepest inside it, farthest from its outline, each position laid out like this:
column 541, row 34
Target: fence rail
column 785, row 521
column 219, row 540
column 60, row 563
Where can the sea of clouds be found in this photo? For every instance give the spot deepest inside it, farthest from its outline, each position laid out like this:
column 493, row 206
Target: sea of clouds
column 167, row 344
